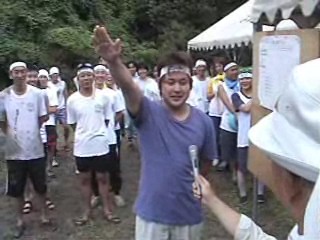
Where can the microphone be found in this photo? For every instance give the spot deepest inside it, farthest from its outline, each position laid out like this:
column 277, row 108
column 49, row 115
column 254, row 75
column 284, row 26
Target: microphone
column 193, row 152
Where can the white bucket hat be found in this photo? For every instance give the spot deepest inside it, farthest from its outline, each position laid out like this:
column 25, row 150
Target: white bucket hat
column 290, row 135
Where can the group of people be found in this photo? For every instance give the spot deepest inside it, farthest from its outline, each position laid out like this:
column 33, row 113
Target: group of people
column 169, row 114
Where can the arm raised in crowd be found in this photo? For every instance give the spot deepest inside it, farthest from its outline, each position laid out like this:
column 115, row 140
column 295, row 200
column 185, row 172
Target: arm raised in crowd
column 110, row 51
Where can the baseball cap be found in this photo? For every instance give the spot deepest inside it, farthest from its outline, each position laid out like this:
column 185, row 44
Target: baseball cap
column 54, row 70
column 200, row 63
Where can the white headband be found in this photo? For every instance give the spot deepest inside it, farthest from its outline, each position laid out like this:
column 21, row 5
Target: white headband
column 175, row 68
column 81, row 70
column 101, row 68
column 17, row 64
column 43, row 72
column 245, row 75
column 230, row 65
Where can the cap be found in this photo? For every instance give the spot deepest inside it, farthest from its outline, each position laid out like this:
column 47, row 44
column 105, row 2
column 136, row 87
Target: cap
column 54, row 70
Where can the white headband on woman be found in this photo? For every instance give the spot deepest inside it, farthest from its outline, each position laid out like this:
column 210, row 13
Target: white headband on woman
column 175, row 68
column 82, row 70
column 17, row 64
column 101, row 67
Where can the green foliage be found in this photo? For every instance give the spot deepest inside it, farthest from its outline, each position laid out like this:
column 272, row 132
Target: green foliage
column 58, row 32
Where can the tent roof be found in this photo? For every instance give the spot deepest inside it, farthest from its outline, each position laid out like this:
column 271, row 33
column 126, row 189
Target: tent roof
column 234, row 29
column 271, row 7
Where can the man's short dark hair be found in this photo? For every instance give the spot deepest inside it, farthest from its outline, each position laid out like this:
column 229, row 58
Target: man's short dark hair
column 143, row 66
column 131, row 63
column 180, row 58
column 32, row 68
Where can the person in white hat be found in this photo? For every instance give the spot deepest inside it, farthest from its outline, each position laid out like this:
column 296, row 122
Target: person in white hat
column 200, row 87
column 50, row 126
column 23, row 114
column 290, row 137
column 61, row 114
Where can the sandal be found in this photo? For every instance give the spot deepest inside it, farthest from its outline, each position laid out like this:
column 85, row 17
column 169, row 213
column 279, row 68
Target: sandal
column 112, row 218
column 50, row 204
column 81, row 221
column 27, row 207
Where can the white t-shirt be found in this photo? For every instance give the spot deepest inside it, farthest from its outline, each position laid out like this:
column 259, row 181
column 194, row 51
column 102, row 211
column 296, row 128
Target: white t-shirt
column 89, row 114
column 149, row 88
column 200, row 89
column 225, row 118
column 61, row 86
column 22, row 114
column 121, row 106
column 43, row 132
column 116, row 107
column 216, row 106
column 244, row 122
column 52, row 94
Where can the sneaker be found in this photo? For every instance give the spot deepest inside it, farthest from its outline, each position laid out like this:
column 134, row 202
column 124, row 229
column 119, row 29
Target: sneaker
column 243, row 200
column 119, row 201
column 261, row 198
column 55, row 163
column 222, row 166
column 77, row 172
column 94, row 201
column 215, row 162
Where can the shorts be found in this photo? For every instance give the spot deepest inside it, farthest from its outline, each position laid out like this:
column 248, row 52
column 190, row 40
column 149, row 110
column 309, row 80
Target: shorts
column 99, row 164
column 20, row 170
column 51, row 135
column 242, row 159
column 152, row 230
column 61, row 116
column 228, row 143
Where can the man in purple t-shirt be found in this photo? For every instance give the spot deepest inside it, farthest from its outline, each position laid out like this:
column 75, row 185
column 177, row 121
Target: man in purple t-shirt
column 166, row 207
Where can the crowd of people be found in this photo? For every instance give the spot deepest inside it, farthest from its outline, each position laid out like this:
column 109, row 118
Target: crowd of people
column 169, row 112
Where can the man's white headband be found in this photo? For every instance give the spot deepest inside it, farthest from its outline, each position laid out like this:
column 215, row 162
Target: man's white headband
column 230, row 65
column 101, row 68
column 17, row 64
column 82, row 70
column 175, row 68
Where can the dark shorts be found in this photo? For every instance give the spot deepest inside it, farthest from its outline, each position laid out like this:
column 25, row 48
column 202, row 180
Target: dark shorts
column 51, row 135
column 61, row 116
column 228, row 143
column 216, row 124
column 100, row 164
column 20, row 170
column 243, row 159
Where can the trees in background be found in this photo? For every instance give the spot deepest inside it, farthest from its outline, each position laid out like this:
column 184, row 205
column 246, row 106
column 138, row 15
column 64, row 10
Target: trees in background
column 47, row 32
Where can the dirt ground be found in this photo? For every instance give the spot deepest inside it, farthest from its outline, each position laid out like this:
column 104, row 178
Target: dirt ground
column 65, row 193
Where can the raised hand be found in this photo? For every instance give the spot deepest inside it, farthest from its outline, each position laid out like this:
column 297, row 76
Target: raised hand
column 104, row 46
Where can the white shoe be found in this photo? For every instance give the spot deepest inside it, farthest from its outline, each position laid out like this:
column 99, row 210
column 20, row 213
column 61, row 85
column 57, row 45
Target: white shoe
column 55, row 163
column 119, row 201
column 94, row 201
column 215, row 162
column 77, row 172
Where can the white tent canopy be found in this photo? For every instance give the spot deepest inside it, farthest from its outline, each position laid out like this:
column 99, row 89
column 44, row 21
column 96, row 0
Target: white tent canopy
column 232, row 30
column 286, row 7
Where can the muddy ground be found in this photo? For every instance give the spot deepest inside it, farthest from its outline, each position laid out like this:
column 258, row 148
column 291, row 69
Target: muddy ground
column 65, row 194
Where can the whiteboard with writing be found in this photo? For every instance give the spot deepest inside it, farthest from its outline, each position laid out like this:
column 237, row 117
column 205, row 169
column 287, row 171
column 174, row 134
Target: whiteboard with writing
column 278, row 56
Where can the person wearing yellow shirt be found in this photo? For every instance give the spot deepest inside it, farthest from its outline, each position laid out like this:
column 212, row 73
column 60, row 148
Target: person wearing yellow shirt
column 216, row 106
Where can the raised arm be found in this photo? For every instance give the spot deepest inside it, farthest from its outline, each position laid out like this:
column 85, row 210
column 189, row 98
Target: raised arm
column 110, row 51
column 224, row 98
